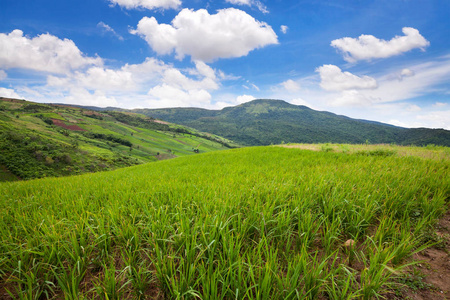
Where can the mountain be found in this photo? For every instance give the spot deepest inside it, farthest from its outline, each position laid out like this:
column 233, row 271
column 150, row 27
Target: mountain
column 265, row 122
column 40, row 140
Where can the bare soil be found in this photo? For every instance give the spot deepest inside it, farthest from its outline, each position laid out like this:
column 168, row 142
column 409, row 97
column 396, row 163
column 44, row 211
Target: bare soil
column 69, row 127
column 434, row 268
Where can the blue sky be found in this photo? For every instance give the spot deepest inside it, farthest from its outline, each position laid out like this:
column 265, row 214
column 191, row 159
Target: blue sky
column 382, row 60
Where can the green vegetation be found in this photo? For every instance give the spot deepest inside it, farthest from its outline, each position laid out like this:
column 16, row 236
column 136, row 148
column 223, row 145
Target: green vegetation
column 266, row 122
column 39, row 140
column 251, row 223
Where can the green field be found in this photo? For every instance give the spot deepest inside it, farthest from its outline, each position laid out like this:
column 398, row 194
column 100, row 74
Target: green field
column 251, row 223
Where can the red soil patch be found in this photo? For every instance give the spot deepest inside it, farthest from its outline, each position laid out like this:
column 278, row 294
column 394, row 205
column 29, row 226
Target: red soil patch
column 70, row 127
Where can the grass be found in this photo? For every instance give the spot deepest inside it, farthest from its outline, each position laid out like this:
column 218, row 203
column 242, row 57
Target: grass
column 251, row 223
column 427, row 152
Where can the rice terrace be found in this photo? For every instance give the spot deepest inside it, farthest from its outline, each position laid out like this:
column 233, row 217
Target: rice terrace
column 251, row 223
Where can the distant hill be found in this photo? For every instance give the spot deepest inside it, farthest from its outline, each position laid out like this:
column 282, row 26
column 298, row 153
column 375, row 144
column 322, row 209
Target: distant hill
column 40, row 140
column 265, row 122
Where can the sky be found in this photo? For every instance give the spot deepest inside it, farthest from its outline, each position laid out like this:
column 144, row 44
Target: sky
column 381, row 60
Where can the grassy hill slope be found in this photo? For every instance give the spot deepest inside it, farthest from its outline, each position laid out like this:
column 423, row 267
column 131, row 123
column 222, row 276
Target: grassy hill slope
column 38, row 140
column 253, row 223
column 265, row 122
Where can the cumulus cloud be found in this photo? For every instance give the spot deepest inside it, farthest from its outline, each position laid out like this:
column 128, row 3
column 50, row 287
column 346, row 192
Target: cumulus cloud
column 152, row 82
column 106, row 28
column 170, row 96
column 148, row 4
column 256, row 3
column 3, row 75
column 226, row 34
column 232, row 100
column 8, row 93
column 284, row 29
column 244, row 98
column 84, row 97
column 333, row 79
column 367, row 47
column 290, row 85
column 127, row 78
column 42, row 53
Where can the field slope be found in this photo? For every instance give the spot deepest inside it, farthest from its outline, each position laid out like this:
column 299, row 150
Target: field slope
column 39, row 140
column 250, row 223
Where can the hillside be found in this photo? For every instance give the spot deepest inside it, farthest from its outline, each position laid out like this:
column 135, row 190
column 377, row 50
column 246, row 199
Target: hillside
column 39, row 140
column 250, row 223
column 265, row 122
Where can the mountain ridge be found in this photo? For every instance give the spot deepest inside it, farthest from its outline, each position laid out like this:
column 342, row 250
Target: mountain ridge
column 268, row 121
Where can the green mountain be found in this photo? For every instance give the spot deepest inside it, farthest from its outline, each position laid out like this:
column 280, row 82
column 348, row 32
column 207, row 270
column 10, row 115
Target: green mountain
column 265, row 122
column 39, row 140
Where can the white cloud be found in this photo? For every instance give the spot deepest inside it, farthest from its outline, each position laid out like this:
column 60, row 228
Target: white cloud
column 232, row 100
column 3, row 75
column 240, row 2
column 407, row 73
column 153, row 82
column 127, row 78
column 351, row 98
column 256, row 3
column 284, row 29
column 413, row 108
column 84, row 97
column 148, row 4
column 440, row 104
column 42, row 53
column 396, row 122
column 437, row 119
column 8, row 93
column 107, row 28
column 333, row 79
column 427, row 76
column 244, row 98
column 229, row 33
column 255, row 87
column 290, row 85
column 169, row 96
column 300, row 101
column 367, row 47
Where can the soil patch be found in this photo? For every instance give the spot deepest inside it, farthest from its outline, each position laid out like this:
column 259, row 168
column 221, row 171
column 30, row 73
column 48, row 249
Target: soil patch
column 434, row 268
column 72, row 127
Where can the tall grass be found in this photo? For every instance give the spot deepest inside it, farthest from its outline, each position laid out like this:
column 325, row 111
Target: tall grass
column 254, row 223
